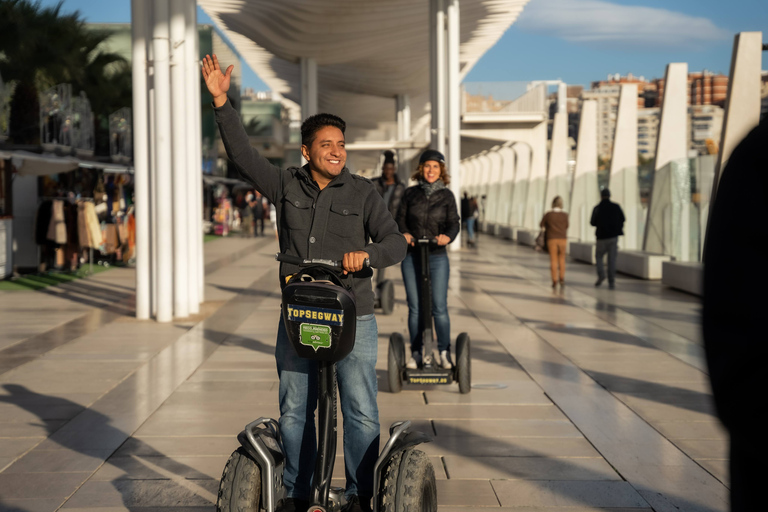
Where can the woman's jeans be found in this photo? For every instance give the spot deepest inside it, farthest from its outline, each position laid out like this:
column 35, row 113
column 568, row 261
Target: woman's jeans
column 471, row 229
column 439, row 268
column 356, row 377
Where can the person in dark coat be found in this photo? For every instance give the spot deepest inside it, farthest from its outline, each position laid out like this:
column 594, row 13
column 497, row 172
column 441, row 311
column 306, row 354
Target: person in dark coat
column 389, row 185
column 428, row 210
column 734, row 312
column 608, row 220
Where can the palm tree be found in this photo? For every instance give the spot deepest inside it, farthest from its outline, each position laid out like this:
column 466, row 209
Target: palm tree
column 40, row 47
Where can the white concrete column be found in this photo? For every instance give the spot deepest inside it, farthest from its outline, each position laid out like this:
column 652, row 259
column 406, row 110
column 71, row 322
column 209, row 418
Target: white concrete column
column 433, row 8
column 192, row 77
column 562, row 98
column 440, row 76
column 557, row 175
column 454, row 106
column 623, row 181
column 179, row 108
column 198, row 153
column 537, row 181
column 163, row 162
column 308, row 87
column 585, row 194
column 493, row 187
column 506, row 184
column 523, row 154
column 403, row 105
column 667, row 229
column 140, row 10
column 742, row 107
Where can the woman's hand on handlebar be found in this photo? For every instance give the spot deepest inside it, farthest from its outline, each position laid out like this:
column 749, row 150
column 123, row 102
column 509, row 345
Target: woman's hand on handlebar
column 443, row 240
column 408, row 238
column 354, row 261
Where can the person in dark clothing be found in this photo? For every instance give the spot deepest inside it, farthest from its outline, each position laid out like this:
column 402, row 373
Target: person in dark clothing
column 391, row 189
column 428, row 210
column 257, row 208
column 608, row 218
column 733, row 314
column 464, row 210
column 322, row 211
column 389, row 185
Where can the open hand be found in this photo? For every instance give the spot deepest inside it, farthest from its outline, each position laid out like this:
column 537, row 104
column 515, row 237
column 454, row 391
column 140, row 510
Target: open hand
column 216, row 81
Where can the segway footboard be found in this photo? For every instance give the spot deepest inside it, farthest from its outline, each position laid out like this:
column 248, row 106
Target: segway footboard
column 401, row 440
column 262, row 440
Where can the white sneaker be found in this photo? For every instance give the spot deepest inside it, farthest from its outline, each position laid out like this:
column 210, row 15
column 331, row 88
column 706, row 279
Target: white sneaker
column 445, row 359
column 414, row 362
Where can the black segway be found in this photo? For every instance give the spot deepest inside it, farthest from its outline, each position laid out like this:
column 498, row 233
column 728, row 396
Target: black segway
column 319, row 315
column 428, row 372
column 384, row 293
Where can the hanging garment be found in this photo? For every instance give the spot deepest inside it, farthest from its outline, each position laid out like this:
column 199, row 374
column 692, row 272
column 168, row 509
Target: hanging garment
column 57, row 229
column 42, row 222
column 93, row 226
column 82, row 226
column 72, row 248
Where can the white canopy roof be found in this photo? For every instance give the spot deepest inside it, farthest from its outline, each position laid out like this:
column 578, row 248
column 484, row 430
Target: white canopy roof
column 367, row 51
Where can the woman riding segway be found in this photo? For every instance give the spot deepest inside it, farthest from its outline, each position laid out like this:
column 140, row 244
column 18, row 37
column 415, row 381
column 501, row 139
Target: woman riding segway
column 428, row 210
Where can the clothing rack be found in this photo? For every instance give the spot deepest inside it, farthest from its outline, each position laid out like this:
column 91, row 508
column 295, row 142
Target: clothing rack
column 90, row 249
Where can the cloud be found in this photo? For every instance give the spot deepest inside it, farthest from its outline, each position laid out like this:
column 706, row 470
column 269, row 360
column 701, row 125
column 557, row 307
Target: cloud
column 599, row 23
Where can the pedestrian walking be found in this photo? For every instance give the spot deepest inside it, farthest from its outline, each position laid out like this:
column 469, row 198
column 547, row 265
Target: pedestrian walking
column 391, row 190
column 257, row 208
column 608, row 220
column 555, row 226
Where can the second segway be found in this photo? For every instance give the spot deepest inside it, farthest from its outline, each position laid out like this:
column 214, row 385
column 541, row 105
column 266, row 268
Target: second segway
column 428, row 372
column 320, row 318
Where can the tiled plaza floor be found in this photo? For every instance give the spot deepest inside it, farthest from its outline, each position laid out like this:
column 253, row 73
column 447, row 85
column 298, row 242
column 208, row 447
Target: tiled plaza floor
column 583, row 399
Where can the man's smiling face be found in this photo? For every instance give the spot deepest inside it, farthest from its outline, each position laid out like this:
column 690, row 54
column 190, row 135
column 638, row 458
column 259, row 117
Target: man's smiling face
column 327, row 155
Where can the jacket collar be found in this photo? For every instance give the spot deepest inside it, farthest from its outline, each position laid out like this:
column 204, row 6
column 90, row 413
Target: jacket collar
column 344, row 177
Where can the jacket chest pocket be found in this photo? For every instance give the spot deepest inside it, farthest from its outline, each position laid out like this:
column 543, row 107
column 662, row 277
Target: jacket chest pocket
column 345, row 220
column 297, row 210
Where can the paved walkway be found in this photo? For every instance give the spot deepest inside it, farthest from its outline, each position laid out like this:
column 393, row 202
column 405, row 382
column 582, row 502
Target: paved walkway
column 583, row 400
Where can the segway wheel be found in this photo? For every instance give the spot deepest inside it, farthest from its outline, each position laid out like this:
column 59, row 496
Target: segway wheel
column 395, row 362
column 387, row 297
column 409, row 483
column 240, row 487
column 463, row 363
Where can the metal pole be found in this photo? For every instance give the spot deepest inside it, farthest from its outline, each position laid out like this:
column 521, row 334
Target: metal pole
column 441, row 75
column 139, row 35
column 180, row 173
column 454, row 104
column 433, row 72
column 163, row 161
column 193, row 174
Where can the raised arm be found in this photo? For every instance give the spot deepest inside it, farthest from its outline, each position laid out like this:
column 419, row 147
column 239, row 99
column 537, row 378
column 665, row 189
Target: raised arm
column 252, row 167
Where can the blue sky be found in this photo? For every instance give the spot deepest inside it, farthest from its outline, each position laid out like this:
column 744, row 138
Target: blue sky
column 578, row 41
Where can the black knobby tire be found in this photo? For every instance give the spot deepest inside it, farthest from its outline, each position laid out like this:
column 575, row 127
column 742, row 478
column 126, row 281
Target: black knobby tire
column 240, row 487
column 387, row 297
column 408, row 484
column 463, row 363
column 395, row 362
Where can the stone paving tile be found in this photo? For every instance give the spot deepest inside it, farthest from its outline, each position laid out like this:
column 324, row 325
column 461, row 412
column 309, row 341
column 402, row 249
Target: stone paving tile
column 145, row 493
column 527, row 393
column 448, row 508
column 704, row 448
column 691, row 430
column 30, row 505
column 546, row 493
column 511, row 447
column 59, row 461
column 141, row 467
column 177, row 446
column 467, row 493
column 510, row 428
column 37, row 485
column 528, row 468
column 718, row 467
column 470, row 411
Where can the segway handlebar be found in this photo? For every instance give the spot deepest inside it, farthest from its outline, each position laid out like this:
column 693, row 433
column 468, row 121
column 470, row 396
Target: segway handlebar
column 301, row 262
column 425, row 241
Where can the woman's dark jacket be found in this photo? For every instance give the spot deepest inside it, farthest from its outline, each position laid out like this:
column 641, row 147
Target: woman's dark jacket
column 428, row 217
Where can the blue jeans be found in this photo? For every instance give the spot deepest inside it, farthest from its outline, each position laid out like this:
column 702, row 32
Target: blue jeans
column 439, row 268
column 356, row 378
column 471, row 229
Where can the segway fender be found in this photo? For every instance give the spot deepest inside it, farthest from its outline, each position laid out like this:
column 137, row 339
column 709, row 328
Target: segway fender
column 262, row 440
column 401, row 437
